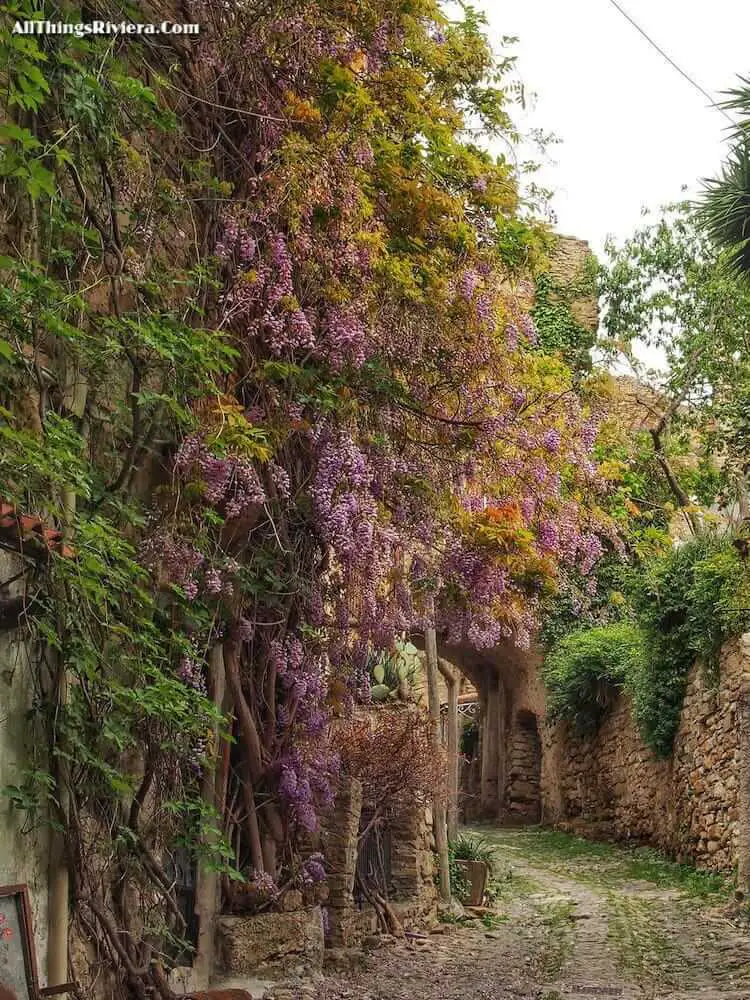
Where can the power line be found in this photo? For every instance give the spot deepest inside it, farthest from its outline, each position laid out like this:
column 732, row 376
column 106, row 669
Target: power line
column 672, row 63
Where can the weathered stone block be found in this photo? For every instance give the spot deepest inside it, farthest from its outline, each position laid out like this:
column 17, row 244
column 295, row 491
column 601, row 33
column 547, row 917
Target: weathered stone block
column 348, row 928
column 271, row 944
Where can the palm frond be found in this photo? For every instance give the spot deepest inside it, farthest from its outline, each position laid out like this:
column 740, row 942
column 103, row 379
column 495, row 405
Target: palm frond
column 724, row 209
column 738, row 102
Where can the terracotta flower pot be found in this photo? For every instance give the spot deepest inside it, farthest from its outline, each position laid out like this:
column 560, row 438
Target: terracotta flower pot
column 475, row 873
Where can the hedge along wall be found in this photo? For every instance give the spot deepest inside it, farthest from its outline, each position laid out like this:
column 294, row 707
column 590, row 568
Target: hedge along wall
column 695, row 805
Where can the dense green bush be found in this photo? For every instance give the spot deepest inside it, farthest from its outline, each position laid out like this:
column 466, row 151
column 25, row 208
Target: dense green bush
column 686, row 603
column 585, row 668
column 689, row 602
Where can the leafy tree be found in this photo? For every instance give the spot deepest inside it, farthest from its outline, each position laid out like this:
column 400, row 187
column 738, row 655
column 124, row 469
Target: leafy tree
column 668, row 287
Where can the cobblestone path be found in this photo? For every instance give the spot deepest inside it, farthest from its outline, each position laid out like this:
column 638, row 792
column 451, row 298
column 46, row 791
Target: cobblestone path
column 573, row 919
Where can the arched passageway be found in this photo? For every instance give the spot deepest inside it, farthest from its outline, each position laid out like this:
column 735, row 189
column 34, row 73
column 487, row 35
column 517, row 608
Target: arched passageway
column 501, row 778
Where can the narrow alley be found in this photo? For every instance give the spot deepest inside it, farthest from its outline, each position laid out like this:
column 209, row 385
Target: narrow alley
column 571, row 919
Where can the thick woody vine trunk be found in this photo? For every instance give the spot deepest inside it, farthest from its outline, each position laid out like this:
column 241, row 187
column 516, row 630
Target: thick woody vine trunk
column 438, row 803
column 206, row 897
column 75, row 396
column 262, row 850
column 251, row 746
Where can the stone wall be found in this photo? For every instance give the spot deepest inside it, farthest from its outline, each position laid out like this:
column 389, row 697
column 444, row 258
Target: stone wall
column 691, row 805
column 345, row 924
column 524, row 764
column 412, row 864
column 568, row 260
column 412, row 889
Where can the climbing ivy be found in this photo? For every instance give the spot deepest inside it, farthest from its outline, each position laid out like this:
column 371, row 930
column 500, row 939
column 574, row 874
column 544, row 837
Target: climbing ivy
column 559, row 330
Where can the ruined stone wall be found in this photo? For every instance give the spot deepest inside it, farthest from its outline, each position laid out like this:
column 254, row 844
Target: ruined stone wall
column 691, row 804
column 412, row 889
column 413, row 865
column 568, row 261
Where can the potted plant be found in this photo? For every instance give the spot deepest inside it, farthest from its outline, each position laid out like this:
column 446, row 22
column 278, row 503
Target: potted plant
column 474, row 859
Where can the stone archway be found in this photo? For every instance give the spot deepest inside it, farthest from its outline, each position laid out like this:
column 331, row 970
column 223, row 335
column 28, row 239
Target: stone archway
column 522, row 793
column 503, row 781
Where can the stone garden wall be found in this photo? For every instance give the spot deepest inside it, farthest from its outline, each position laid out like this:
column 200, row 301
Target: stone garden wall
column 696, row 805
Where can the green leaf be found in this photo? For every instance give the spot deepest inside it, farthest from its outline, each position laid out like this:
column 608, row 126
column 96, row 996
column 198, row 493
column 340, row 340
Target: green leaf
column 40, row 180
column 14, row 133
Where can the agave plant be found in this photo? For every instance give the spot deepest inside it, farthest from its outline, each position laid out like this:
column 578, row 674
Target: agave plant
column 469, row 847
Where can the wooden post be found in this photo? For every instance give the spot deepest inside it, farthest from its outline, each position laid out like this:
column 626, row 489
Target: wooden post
column 451, row 680
column 438, row 804
column 58, row 874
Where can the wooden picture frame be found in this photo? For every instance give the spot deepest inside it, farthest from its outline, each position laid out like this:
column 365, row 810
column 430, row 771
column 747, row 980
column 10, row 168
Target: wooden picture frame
column 18, row 969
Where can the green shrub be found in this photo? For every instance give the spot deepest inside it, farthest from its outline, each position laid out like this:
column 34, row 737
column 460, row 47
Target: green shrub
column 459, row 883
column 585, row 668
column 689, row 602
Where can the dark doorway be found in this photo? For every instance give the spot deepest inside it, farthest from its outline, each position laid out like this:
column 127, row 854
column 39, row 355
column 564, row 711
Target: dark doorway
column 182, row 871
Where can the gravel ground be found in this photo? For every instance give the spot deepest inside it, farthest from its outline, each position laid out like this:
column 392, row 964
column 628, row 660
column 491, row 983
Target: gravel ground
column 571, row 922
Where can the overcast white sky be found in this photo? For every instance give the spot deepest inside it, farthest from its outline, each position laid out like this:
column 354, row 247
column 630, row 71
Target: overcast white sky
column 633, row 129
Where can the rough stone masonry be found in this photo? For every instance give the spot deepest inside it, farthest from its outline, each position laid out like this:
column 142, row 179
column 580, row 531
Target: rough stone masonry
column 696, row 805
